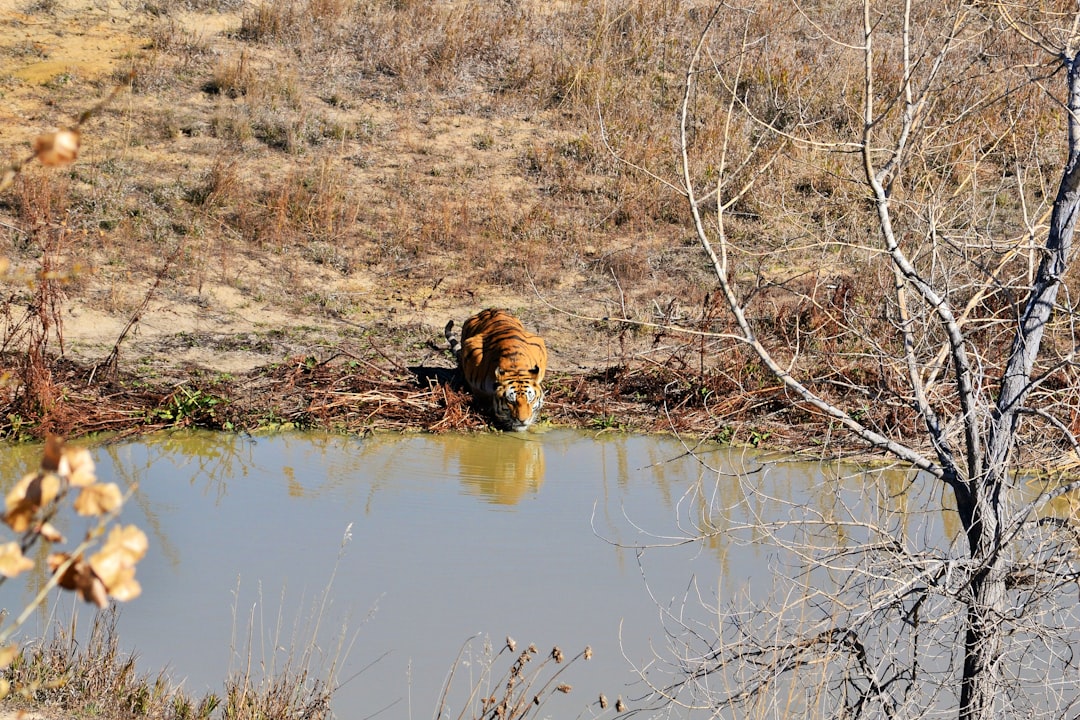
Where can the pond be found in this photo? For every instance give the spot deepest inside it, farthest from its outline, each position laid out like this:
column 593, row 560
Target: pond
column 400, row 548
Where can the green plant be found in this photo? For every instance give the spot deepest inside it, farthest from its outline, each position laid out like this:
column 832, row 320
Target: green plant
column 181, row 708
column 17, row 427
column 188, row 406
column 758, row 437
column 724, row 435
column 207, row 706
column 605, row 422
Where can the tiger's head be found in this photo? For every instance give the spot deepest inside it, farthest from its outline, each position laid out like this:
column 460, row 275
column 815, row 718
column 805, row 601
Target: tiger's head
column 518, row 398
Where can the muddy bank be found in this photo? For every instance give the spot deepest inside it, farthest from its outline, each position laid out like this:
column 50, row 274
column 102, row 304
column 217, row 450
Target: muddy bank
column 349, row 393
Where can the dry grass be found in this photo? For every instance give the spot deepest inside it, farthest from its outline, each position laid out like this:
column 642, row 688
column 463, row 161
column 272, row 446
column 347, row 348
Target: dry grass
column 290, row 133
column 513, row 687
column 373, row 164
column 91, row 677
column 94, row 677
column 428, row 158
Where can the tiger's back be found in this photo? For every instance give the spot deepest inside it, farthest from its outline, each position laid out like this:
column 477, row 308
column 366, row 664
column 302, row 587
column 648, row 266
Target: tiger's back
column 503, row 364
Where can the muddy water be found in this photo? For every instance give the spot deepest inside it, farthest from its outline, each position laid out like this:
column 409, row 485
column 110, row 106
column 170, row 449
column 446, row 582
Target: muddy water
column 448, row 537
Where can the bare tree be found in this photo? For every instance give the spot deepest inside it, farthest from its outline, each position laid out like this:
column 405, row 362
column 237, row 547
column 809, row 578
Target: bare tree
column 941, row 149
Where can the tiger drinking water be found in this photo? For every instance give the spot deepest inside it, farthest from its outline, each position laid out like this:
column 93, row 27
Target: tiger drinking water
column 503, row 364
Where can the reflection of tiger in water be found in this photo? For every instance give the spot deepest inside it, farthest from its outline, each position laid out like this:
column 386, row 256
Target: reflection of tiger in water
column 502, row 363
column 501, row 470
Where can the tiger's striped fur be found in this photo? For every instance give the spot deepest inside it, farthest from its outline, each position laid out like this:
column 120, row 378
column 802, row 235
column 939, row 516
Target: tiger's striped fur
column 503, row 365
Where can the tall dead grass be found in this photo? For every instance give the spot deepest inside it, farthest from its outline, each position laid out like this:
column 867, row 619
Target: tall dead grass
column 491, row 61
column 92, row 675
column 87, row 673
column 33, row 325
column 511, row 684
column 298, row 674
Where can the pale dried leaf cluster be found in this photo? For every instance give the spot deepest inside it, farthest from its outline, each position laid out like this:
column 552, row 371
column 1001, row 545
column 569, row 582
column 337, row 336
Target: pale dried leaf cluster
column 29, row 508
column 110, row 572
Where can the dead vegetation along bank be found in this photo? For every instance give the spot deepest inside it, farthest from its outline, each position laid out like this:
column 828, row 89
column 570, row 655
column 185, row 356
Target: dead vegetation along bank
column 338, row 394
column 345, row 394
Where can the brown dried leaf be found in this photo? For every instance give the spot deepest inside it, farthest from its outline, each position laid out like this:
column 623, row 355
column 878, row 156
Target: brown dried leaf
column 128, row 540
column 57, row 148
column 29, row 495
column 12, row 561
column 20, row 516
column 125, row 587
column 50, row 456
column 81, row 578
column 99, row 499
column 109, row 567
column 54, row 561
column 7, row 654
column 50, row 533
column 45, row 490
column 78, row 465
column 95, row 592
column 114, row 564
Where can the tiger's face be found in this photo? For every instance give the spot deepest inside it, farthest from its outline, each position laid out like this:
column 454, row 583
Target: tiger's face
column 517, row 400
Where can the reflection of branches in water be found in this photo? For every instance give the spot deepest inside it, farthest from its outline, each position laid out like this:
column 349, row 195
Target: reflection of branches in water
column 681, row 479
column 702, row 484
column 130, row 472
column 206, row 458
column 17, row 460
column 850, row 619
column 212, row 459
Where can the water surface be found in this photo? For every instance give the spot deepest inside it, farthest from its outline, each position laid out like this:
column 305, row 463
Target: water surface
column 448, row 537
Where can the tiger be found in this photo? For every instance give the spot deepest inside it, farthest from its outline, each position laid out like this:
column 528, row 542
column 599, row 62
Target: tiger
column 503, row 365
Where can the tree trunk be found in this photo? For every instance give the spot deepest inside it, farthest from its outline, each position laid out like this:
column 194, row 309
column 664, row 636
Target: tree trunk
column 982, row 644
column 981, row 513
